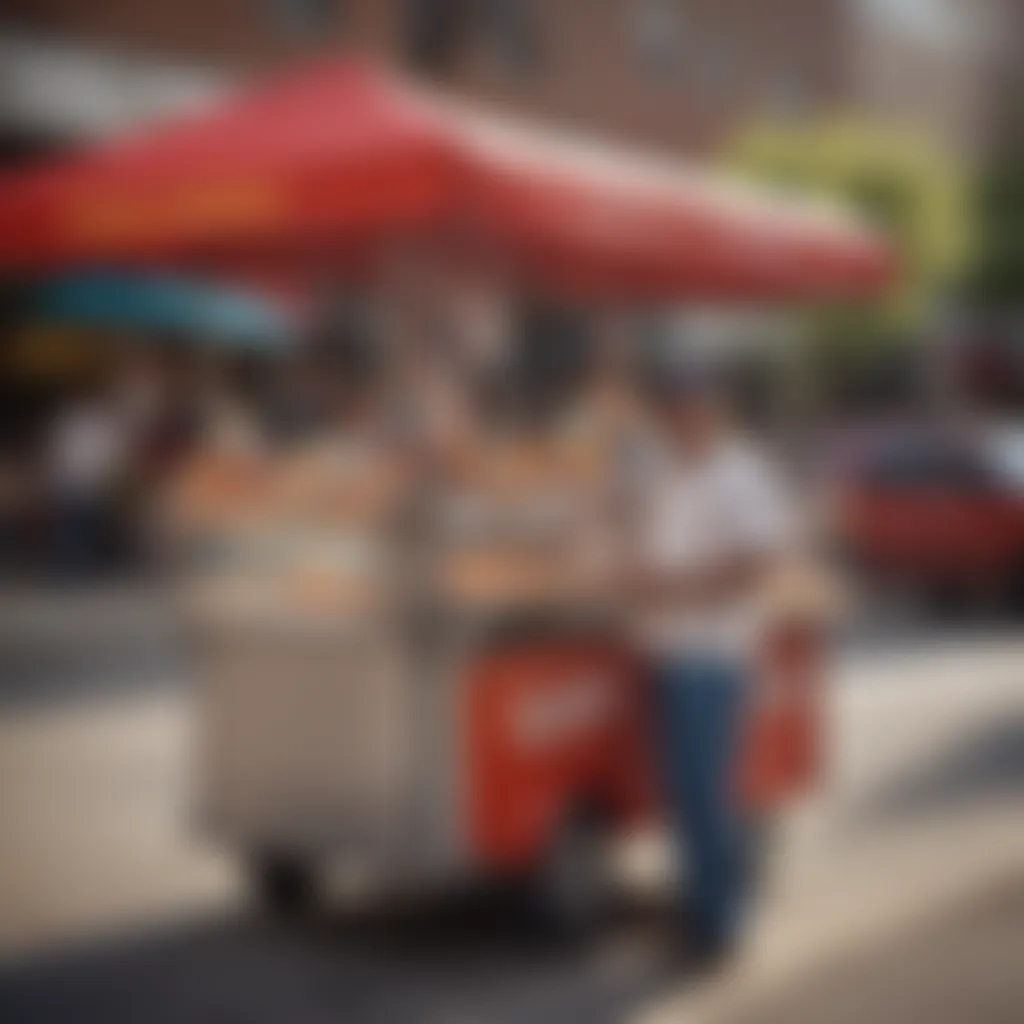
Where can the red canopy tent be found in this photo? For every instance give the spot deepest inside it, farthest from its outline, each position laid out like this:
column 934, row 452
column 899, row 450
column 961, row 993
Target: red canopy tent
column 342, row 161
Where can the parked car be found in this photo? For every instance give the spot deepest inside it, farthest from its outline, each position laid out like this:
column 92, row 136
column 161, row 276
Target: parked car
column 938, row 511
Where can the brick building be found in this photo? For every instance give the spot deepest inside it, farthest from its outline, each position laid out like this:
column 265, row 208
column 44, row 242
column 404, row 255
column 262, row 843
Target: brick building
column 944, row 69
column 671, row 74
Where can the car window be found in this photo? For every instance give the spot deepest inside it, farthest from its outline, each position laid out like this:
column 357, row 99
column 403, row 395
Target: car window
column 965, row 471
column 919, row 465
column 899, row 467
column 1005, row 453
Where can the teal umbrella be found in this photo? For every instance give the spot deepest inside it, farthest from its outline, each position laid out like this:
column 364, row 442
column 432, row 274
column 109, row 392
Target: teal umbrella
column 226, row 317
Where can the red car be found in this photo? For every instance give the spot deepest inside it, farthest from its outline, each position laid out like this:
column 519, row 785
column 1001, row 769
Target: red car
column 943, row 513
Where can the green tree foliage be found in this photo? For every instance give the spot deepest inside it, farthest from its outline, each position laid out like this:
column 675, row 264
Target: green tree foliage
column 909, row 190
column 996, row 278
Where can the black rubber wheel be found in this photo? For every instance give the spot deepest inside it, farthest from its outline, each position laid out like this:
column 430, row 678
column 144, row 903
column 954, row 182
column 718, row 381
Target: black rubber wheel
column 284, row 885
column 947, row 602
column 572, row 886
column 1015, row 588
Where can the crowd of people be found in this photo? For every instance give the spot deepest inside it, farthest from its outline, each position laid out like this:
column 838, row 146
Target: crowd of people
column 80, row 478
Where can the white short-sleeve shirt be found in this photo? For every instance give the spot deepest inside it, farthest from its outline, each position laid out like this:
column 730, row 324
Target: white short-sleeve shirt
column 694, row 516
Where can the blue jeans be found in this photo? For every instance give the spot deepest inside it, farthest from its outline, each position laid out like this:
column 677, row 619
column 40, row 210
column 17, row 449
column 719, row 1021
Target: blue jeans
column 699, row 704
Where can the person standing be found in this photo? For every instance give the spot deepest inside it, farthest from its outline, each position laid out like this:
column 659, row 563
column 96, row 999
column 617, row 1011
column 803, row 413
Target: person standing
column 712, row 521
column 86, row 461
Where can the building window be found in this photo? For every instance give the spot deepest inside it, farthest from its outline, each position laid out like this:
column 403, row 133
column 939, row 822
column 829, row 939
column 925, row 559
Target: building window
column 511, row 30
column 716, row 71
column 305, row 20
column 790, row 94
column 656, row 27
column 434, row 32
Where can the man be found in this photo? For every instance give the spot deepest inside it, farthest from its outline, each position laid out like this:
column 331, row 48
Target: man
column 87, row 458
column 711, row 524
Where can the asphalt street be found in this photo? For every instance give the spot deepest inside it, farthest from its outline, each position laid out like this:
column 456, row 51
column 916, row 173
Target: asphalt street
column 443, row 963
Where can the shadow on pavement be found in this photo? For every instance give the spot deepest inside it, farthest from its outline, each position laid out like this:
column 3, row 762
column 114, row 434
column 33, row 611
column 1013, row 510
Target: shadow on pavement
column 988, row 763
column 459, row 963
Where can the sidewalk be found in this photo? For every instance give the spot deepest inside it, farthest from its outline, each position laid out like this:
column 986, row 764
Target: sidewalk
column 920, row 820
column 963, row 965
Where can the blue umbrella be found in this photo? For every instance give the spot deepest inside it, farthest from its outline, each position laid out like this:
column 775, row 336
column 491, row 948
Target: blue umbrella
column 226, row 317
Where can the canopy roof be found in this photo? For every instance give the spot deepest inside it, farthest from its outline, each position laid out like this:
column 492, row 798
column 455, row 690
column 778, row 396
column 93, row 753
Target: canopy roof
column 343, row 161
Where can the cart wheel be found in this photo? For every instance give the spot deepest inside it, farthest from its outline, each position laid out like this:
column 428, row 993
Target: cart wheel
column 947, row 601
column 571, row 888
column 283, row 884
column 1015, row 587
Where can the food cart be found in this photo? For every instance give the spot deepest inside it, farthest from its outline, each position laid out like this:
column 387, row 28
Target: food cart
column 373, row 692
